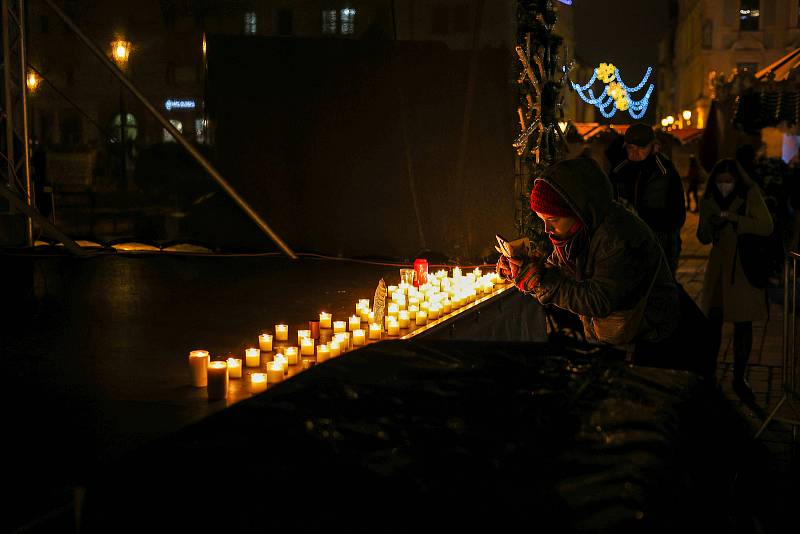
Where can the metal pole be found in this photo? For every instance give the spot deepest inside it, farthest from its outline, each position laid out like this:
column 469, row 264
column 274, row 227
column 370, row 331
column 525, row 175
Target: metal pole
column 242, row 203
column 23, row 75
column 7, row 96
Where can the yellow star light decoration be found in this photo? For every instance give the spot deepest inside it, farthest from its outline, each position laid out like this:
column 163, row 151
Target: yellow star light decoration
column 606, row 72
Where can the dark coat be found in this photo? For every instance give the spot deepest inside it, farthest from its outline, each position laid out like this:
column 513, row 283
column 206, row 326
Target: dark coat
column 654, row 190
column 621, row 263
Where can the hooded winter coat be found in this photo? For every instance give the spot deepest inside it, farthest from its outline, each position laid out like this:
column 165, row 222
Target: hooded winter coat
column 622, row 288
column 725, row 284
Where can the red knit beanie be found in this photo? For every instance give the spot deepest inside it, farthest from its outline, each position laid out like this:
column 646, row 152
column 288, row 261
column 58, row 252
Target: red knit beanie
column 545, row 199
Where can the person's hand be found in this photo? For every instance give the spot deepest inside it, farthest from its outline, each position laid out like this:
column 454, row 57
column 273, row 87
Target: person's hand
column 503, row 268
column 528, row 274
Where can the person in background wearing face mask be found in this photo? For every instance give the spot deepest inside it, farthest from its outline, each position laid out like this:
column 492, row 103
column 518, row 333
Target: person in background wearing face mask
column 648, row 183
column 606, row 266
column 732, row 205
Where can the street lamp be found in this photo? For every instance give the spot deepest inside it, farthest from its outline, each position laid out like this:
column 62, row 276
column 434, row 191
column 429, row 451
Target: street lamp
column 32, row 81
column 120, row 53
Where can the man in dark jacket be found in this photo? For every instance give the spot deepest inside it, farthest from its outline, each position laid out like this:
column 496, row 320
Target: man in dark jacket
column 648, row 183
column 606, row 265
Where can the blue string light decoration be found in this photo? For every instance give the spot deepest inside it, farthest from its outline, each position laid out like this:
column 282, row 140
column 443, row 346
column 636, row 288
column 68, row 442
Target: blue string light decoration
column 616, row 94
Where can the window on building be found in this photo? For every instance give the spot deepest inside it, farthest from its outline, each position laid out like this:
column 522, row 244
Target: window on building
column 250, row 23
column 167, row 137
column 461, row 18
column 748, row 15
column 347, row 19
column 441, row 20
column 285, row 22
column 330, row 21
column 708, row 34
column 131, row 129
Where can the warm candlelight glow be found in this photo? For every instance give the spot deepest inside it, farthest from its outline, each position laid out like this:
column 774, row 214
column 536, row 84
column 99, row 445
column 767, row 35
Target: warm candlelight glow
column 334, row 348
column 324, row 320
column 217, row 380
column 323, row 353
column 306, row 346
column 421, row 318
column 274, row 372
column 393, row 309
column 339, row 326
column 302, row 334
column 392, row 326
column 265, row 342
column 281, row 332
column 359, row 337
column 355, row 322
column 198, row 368
column 289, row 357
column 375, row 331
column 252, row 357
column 235, row 367
column 343, row 339
column 402, row 318
column 258, row 382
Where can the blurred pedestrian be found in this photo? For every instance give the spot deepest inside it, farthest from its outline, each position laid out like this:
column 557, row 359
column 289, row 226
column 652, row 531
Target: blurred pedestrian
column 732, row 206
column 647, row 182
column 695, row 176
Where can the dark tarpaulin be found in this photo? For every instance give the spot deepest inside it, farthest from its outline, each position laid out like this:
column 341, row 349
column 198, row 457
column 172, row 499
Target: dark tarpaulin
column 407, row 436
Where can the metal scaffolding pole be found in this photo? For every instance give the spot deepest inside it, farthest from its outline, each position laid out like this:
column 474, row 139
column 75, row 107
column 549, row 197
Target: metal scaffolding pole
column 241, row 202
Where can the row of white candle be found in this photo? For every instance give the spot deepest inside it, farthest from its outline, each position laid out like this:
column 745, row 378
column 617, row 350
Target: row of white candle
column 439, row 296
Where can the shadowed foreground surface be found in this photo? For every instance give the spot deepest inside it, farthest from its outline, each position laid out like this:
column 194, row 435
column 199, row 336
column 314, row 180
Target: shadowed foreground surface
column 451, row 435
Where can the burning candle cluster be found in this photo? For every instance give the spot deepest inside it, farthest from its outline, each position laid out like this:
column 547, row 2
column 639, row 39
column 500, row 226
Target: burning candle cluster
column 276, row 358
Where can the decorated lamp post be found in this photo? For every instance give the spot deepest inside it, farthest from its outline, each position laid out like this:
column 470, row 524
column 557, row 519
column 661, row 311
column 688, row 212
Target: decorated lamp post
column 120, row 53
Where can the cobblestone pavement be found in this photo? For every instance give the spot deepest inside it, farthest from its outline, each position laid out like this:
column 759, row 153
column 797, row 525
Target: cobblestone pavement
column 766, row 362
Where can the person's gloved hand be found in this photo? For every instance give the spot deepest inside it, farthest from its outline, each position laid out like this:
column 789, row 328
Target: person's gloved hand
column 503, row 268
column 527, row 273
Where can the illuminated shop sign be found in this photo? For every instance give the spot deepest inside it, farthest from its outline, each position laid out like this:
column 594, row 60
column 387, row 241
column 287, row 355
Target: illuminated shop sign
column 179, row 104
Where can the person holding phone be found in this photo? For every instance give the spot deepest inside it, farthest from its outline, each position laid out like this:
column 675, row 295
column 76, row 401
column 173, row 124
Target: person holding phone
column 606, row 266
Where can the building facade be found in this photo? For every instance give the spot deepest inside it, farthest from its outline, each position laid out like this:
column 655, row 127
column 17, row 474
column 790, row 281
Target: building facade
column 715, row 38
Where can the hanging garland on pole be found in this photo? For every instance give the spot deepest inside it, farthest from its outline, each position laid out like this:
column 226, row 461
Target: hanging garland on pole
column 542, row 76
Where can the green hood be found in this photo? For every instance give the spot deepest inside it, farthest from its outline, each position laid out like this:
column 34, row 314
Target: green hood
column 584, row 186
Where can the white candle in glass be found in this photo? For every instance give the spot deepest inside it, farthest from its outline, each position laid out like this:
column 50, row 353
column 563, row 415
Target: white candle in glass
column 358, row 337
column 323, row 353
column 274, row 372
column 412, row 312
column 334, row 348
column 364, row 314
column 362, row 303
column 402, row 318
column 421, row 318
column 391, row 289
column 393, row 327
column 375, row 331
column 446, row 306
column 265, row 342
column 339, row 326
column 258, row 382
column 306, row 346
column 302, row 334
column 324, row 320
column 235, row 367
column 198, row 368
column 392, row 310
column 289, row 357
column 281, row 332
column 217, row 380
column 252, row 357
column 355, row 322
column 343, row 340
column 434, row 312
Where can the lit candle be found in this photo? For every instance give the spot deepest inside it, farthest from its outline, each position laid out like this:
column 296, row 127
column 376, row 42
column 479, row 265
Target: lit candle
column 364, row 314
column 235, row 367
column 391, row 289
column 343, row 340
column 339, row 327
column 412, row 312
column 198, row 368
column 456, row 272
column 355, row 322
column 258, row 382
column 358, row 337
column 393, row 326
column 324, row 320
column 274, row 372
column 422, row 318
column 446, row 306
column 302, row 334
column 217, row 380
column 434, row 312
column 370, row 317
column 289, row 357
column 323, row 353
column 362, row 303
column 334, row 348
column 281, row 332
column 413, row 301
column 402, row 318
column 252, row 357
column 306, row 346
column 375, row 331
column 392, row 310
column 265, row 342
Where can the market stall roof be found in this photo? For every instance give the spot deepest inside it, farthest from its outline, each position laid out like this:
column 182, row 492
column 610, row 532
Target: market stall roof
column 587, row 130
column 685, row 135
column 781, row 68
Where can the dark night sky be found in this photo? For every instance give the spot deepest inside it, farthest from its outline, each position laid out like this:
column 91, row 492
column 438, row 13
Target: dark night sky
column 623, row 32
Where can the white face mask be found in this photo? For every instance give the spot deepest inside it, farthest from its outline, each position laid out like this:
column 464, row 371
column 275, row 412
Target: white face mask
column 725, row 188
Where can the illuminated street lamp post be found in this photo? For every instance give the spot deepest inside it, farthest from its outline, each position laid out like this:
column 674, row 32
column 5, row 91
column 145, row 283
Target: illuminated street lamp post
column 120, row 53
column 32, row 81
